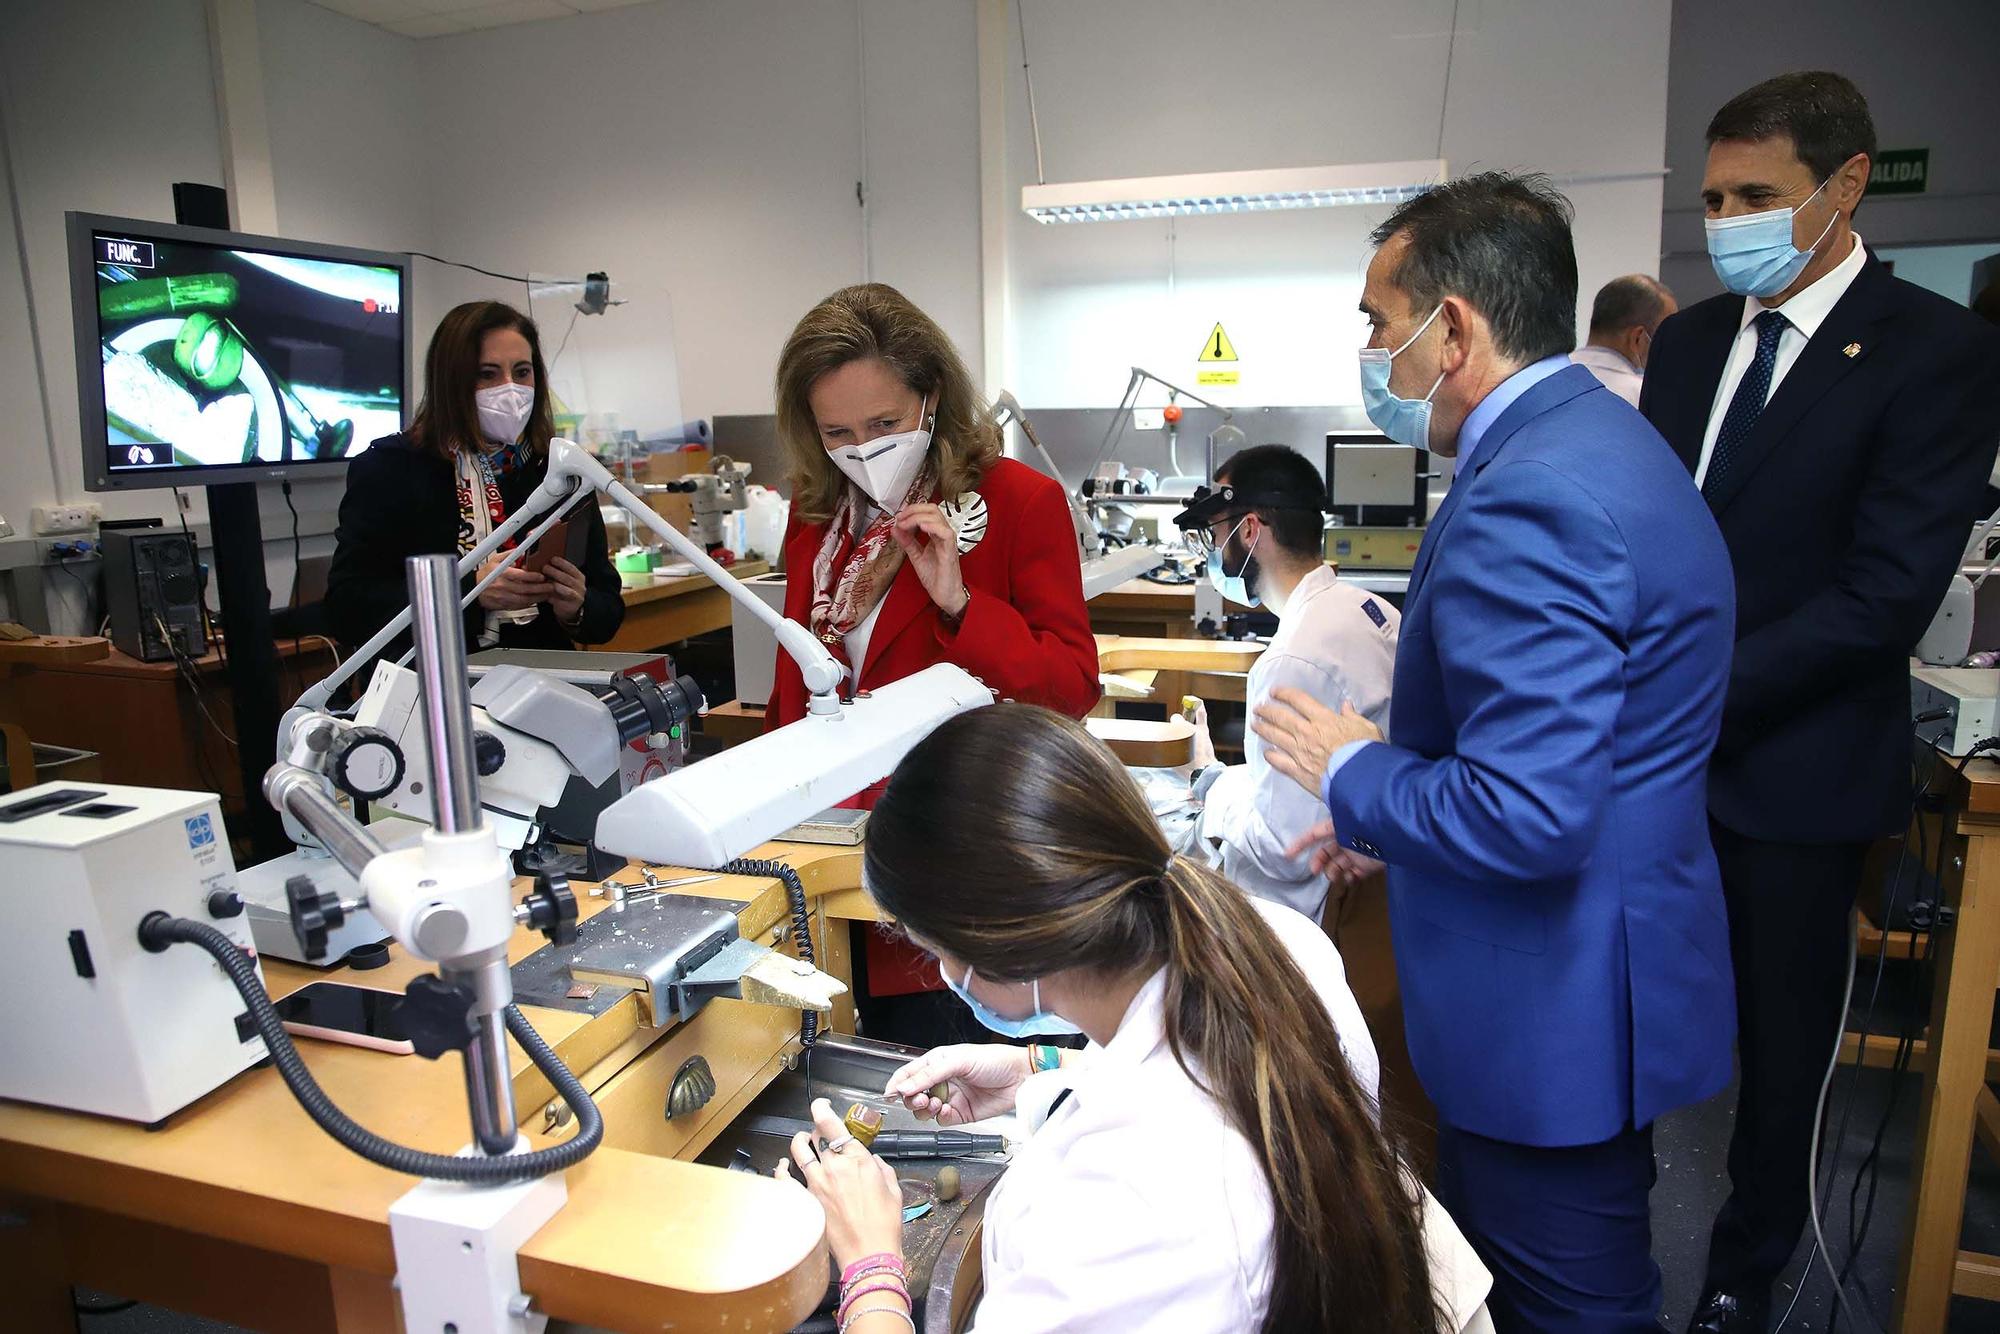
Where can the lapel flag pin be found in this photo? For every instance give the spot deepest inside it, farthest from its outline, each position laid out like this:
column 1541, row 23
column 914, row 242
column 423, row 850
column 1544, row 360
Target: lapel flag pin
column 1852, row 349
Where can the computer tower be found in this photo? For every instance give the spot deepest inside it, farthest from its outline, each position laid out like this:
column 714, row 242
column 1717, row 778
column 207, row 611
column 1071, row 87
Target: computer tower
column 152, row 594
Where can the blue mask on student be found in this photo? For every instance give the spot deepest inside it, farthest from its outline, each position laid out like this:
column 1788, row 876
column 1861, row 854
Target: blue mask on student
column 1407, row 421
column 1039, row 1024
column 1233, row 586
column 1753, row 254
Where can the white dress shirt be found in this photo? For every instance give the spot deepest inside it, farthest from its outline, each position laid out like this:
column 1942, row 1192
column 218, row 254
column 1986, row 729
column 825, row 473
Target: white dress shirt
column 1804, row 313
column 1136, row 1206
column 1608, row 364
column 1335, row 642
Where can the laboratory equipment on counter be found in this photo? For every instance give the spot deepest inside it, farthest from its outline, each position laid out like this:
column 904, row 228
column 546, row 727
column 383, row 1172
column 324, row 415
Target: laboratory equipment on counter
column 1948, row 638
column 1225, row 435
column 1105, row 565
column 355, row 758
column 752, row 646
column 94, row 1021
column 551, row 753
column 554, row 747
column 1955, row 708
column 1372, row 482
column 715, row 497
column 447, row 902
column 1358, row 550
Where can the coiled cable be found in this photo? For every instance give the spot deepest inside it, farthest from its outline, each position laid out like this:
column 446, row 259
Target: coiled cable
column 795, row 890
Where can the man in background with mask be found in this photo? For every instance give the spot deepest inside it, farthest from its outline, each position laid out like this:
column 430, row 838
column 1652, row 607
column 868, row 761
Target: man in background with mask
column 1623, row 317
column 1263, row 531
column 1559, row 931
column 1840, row 424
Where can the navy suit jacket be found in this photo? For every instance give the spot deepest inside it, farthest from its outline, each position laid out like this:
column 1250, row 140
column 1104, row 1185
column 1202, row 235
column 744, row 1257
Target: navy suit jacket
column 1559, row 927
column 1845, row 514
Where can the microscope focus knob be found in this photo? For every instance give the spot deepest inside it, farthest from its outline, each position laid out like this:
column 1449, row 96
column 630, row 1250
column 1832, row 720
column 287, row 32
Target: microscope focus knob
column 551, row 906
column 489, row 752
column 313, row 915
column 437, row 1015
column 366, row 763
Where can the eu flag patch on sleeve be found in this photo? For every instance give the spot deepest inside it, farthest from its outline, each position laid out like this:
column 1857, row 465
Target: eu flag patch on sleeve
column 1374, row 613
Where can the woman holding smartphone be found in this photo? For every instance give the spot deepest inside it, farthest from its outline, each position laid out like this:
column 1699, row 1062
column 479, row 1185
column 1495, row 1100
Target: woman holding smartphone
column 475, row 451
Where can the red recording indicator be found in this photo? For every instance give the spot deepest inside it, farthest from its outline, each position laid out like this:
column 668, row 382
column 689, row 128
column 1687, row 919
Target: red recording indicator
column 370, row 306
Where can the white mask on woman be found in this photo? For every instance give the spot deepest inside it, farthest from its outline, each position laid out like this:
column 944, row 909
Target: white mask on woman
column 503, row 410
column 885, row 466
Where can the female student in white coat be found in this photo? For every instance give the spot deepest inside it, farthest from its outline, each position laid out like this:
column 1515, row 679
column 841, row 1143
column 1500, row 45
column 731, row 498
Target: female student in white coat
column 1211, row 1161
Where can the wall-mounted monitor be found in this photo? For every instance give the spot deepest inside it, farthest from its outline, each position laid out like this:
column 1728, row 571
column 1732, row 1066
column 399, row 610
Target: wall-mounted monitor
column 206, row 356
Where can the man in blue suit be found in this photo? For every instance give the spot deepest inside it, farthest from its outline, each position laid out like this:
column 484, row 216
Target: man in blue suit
column 1541, row 803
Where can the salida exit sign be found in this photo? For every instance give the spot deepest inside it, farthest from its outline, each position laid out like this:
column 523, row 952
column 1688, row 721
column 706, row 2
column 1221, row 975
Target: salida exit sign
column 1900, row 171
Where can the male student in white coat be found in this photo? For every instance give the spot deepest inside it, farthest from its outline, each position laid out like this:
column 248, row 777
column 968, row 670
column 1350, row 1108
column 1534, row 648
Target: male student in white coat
column 1263, row 530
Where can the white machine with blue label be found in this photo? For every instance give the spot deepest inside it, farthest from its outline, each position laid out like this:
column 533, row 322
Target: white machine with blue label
column 95, row 1022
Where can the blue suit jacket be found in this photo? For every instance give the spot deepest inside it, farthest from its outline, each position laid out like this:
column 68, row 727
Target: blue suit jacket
column 1542, row 800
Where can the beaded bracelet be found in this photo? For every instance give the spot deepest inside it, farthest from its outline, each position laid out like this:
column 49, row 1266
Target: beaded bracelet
column 903, row 1316
column 875, row 1273
column 848, row 1299
column 881, row 1258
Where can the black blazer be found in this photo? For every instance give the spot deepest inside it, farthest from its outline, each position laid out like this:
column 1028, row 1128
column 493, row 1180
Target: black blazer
column 402, row 501
column 1845, row 515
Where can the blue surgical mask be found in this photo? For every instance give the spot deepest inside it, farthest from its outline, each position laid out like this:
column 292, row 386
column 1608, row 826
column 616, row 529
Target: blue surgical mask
column 1407, row 421
column 1040, row 1024
column 1233, row 586
column 1753, row 254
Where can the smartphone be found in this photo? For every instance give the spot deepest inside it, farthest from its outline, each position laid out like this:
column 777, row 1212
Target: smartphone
column 554, row 543
column 336, row 1012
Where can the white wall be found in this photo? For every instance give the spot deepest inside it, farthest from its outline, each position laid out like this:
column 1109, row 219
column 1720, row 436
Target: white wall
column 705, row 154
column 1926, row 70
column 1149, row 87
column 107, row 104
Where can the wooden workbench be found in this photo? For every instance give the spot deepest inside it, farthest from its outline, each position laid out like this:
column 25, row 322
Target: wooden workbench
column 1956, row 1106
column 670, row 610
column 241, row 1209
column 144, row 718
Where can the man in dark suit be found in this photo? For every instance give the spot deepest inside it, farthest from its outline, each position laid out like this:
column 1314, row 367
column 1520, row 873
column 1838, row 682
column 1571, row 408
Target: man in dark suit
column 1559, row 931
column 1840, row 423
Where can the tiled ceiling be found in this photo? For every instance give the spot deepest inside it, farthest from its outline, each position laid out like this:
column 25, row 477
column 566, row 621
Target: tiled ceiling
column 439, row 18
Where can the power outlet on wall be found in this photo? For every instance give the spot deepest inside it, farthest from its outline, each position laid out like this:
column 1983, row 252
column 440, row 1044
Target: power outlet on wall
column 49, row 520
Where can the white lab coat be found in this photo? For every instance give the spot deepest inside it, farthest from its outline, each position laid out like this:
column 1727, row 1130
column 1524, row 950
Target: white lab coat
column 1136, row 1206
column 1335, row 642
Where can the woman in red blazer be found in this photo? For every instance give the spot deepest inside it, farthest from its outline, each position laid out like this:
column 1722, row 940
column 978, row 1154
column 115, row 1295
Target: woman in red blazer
column 912, row 541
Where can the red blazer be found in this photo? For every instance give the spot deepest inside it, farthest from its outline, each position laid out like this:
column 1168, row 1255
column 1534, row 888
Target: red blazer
column 1025, row 633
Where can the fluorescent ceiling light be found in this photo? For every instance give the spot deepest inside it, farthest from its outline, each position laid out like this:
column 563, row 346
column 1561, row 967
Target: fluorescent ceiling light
column 1231, row 192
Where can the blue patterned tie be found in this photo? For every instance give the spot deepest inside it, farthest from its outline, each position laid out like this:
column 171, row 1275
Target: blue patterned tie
column 1748, row 405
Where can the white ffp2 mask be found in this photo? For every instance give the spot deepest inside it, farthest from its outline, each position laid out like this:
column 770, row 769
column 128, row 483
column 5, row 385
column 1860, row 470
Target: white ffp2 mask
column 885, row 466
column 503, row 411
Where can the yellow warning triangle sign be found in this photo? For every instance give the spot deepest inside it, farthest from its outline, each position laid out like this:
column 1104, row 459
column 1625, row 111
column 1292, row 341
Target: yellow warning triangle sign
column 1218, row 347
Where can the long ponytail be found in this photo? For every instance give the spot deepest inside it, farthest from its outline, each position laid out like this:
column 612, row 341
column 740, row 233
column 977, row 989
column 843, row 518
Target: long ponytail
column 1013, row 840
column 1347, row 1240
